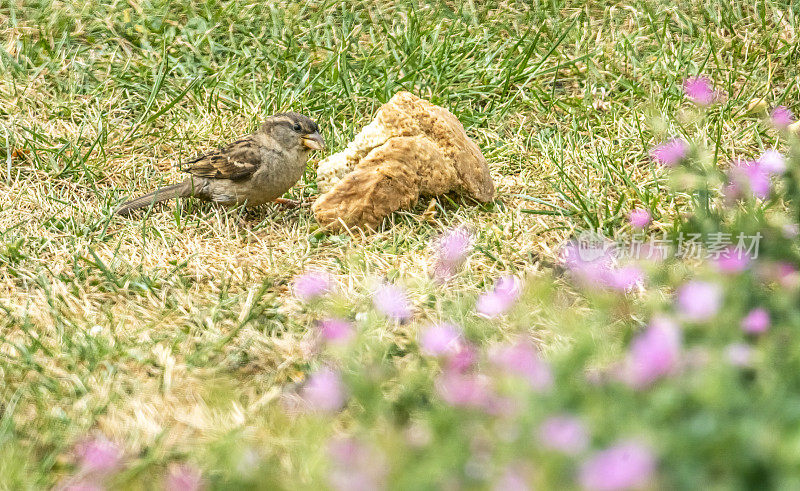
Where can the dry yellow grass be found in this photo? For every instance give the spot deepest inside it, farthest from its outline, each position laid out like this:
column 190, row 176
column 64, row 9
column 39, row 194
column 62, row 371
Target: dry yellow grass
column 171, row 330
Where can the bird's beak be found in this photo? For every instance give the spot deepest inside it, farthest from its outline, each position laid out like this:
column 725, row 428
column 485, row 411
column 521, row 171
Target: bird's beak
column 314, row 141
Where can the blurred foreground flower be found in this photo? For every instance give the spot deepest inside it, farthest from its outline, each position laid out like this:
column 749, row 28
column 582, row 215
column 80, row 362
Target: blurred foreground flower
column 440, row 339
column 700, row 91
column 99, row 456
column 512, row 479
column 311, row 285
column 624, row 278
column 670, row 153
column 501, row 298
column 464, row 389
column 654, row 353
column 739, row 355
column 446, row 340
column 391, row 301
column 783, row 273
column 593, row 265
column 699, row 300
column 772, row 162
column 732, row 260
column 462, row 358
column 336, row 331
column 522, row 359
column 627, row 464
column 324, row 391
column 750, row 176
column 98, row 459
column 639, row 218
column 564, row 433
column 782, row 117
column 355, row 466
column 452, row 250
column 81, row 486
column 756, row 321
column 184, row 477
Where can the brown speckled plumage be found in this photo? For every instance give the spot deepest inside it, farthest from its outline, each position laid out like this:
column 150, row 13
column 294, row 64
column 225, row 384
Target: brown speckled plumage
column 253, row 170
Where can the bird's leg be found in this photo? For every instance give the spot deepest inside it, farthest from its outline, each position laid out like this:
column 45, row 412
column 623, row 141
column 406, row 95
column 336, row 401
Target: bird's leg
column 287, row 203
column 290, row 203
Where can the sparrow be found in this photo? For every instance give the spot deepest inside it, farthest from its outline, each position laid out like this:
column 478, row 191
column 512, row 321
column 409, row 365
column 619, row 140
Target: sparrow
column 251, row 171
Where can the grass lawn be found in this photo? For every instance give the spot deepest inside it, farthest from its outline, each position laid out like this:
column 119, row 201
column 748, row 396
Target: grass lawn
column 175, row 333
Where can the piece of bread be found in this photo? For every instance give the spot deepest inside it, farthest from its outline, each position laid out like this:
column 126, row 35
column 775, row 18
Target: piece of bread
column 412, row 148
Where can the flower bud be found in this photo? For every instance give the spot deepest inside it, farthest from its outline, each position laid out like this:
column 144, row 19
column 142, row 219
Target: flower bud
column 757, row 106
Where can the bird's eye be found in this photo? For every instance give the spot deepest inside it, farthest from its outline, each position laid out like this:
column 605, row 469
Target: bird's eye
column 297, row 127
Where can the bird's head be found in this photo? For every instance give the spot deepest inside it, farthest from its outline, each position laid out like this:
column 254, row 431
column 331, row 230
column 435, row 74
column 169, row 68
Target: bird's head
column 294, row 131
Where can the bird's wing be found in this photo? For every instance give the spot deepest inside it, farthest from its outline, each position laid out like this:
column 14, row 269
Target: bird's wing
column 236, row 161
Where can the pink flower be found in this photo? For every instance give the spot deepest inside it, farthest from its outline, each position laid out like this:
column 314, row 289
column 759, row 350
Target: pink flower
column 699, row 300
column 440, row 339
column 391, row 301
column 499, row 300
column 783, row 273
column 627, row 464
column 787, row 274
column 733, row 260
column 336, row 331
column 462, row 358
column 739, row 355
column 593, row 265
column 452, row 250
column 699, row 91
column 624, row 278
column 732, row 191
column 640, row 218
column 512, row 479
column 99, row 456
column 652, row 251
column 564, row 433
column 756, row 321
column 772, row 162
column 782, row 117
column 758, row 178
column 654, row 353
column 464, row 389
column 752, row 176
column 355, row 465
column 522, row 359
column 506, row 407
column 670, row 153
column 184, row 477
column 324, row 391
column 81, row 486
column 472, row 391
column 446, row 340
column 589, row 263
column 311, row 285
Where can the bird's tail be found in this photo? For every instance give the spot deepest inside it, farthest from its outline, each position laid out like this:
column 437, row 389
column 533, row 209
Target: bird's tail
column 157, row 196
